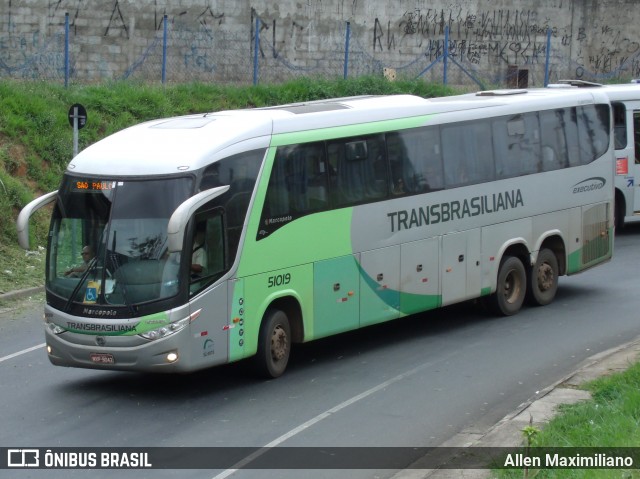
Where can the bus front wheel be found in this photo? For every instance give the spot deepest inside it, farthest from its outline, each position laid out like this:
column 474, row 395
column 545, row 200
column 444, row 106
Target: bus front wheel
column 543, row 282
column 511, row 288
column 274, row 344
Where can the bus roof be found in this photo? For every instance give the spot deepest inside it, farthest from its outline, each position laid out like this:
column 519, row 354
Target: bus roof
column 187, row 143
column 615, row 92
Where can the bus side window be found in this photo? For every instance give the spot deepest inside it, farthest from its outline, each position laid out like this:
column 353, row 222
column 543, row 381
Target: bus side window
column 552, row 140
column 482, row 164
column 208, row 250
column 334, row 152
column 593, row 127
column 415, row 161
column 620, row 125
column 571, row 133
column 402, row 174
column 277, row 200
column 467, row 152
column 517, row 144
column 214, row 242
column 305, row 178
column 432, row 168
column 361, row 171
column 564, row 135
column 452, row 152
column 317, row 183
column 297, row 185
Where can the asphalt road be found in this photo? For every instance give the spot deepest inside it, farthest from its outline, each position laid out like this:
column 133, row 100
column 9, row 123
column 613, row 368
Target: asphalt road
column 414, row 382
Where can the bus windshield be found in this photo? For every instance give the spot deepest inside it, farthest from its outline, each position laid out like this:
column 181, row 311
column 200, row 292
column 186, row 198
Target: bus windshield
column 108, row 241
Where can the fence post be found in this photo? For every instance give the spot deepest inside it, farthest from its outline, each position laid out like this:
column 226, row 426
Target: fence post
column 66, row 49
column 256, row 45
column 546, row 63
column 346, row 50
column 164, row 49
column 446, row 53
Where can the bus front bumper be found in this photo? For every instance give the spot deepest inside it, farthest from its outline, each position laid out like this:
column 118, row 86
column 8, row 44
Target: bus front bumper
column 76, row 350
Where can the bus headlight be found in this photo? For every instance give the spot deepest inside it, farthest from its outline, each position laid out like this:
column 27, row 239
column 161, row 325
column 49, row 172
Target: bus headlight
column 172, row 357
column 166, row 330
column 54, row 328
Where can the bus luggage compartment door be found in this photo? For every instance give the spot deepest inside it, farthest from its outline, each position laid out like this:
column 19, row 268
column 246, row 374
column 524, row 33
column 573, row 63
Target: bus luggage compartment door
column 420, row 273
column 379, row 285
column 461, row 272
column 336, row 293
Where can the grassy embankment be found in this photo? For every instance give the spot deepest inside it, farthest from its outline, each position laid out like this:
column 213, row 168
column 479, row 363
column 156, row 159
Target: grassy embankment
column 611, row 419
column 36, row 140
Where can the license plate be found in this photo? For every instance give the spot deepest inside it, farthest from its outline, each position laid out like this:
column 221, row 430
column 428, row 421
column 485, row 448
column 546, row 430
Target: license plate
column 102, row 358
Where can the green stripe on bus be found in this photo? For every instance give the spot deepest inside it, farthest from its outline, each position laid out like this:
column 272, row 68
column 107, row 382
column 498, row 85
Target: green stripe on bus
column 349, row 130
column 416, row 303
column 305, row 240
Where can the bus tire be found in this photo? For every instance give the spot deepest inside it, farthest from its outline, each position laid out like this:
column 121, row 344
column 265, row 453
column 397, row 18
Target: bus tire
column 511, row 288
column 543, row 282
column 274, row 344
column 618, row 213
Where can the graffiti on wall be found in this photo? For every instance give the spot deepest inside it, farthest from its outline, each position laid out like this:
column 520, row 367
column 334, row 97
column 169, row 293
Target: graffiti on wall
column 499, row 36
column 204, row 38
column 617, row 53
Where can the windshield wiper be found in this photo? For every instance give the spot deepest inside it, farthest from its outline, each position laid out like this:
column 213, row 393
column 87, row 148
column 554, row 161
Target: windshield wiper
column 91, row 266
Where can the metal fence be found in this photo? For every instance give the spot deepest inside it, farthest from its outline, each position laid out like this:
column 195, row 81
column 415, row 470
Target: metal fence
column 184, row 53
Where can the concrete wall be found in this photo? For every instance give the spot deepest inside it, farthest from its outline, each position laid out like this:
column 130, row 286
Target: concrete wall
column 213, row 40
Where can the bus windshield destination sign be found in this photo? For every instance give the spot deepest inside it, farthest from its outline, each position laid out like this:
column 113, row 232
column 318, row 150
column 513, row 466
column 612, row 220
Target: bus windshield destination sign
column 92, row 186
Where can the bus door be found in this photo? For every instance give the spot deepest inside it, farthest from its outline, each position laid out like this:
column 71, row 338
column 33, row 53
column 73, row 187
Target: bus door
column 210, row 339
column 336, row 295
column 634, row 159
column 627, row 146
column 461, row 276
column 210, row 325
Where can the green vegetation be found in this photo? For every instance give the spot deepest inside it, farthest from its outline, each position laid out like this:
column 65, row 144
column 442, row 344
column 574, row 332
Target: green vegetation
column 36, row 141
column 610, row 419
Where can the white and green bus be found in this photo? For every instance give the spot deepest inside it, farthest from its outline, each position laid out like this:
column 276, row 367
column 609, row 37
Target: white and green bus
column 217, row 237
column 625, row 103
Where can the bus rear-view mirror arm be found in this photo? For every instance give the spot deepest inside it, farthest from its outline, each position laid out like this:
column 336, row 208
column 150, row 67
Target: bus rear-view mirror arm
column 184, row 212
column 22, row 223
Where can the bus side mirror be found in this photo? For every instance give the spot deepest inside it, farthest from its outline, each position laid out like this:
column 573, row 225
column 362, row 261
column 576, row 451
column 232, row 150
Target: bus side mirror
column 22, row 223
column 184, row 212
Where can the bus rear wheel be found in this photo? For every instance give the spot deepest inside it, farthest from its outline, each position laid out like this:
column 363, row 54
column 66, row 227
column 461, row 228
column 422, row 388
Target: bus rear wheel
column 511, row 288
column 274, row 344
column 543, row 282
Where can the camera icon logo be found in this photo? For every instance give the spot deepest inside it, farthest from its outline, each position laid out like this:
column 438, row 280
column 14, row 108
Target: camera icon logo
column 23, row 458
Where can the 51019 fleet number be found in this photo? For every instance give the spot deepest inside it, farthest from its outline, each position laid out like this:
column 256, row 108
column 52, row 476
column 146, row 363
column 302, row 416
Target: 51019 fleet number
column 279, row 280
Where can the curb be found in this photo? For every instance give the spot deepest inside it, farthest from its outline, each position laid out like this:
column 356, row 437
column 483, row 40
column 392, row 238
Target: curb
column 21, row 293
column 507, row 432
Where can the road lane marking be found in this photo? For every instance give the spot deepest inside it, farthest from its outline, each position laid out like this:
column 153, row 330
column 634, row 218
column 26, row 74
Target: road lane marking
column 317, row 419
column 24, row 351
